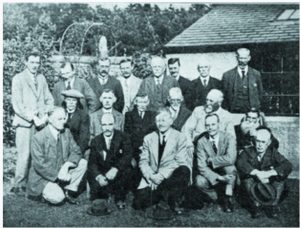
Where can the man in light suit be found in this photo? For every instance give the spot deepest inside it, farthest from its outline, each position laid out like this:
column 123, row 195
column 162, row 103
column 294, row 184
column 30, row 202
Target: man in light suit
column 203, row 84
column 242, row 86
column 195, row 125
column 31, row 100
column 57, row 167
column 184, row 84
column 165, row 165
column 157, row 86
column 103, row 81
column 71, row 81
column 130, row 84
column 216, row 155
column 179, row 112
column 107, row 100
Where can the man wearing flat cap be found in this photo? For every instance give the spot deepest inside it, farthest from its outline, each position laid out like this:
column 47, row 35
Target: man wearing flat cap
column 263, row 171
column 78, row 119
column 71, row 81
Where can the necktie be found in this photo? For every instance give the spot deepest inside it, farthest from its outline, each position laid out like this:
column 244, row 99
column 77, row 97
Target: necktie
column 69, row 86
column 35, row 82
column 161, row 148
column 243, row 74
column 204, row 83
column 259, row 157
column 214, row 147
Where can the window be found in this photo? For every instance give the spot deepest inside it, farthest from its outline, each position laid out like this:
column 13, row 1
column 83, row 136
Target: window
column 289, row 14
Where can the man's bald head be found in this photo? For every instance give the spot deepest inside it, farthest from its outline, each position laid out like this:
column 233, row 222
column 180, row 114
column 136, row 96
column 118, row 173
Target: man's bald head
column 262, row 139
column 215, row 95
column 243, row 57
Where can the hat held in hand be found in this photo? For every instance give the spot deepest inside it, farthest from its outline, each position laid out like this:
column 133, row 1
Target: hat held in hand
column 72, row 93
column 265, row 194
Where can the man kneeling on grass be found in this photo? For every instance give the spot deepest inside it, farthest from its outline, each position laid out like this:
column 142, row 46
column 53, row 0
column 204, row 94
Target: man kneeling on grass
column 57, row 167
column 263, row 171
column 165, row 165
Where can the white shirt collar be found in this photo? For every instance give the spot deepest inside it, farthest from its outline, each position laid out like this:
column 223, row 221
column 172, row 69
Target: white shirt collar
column 107, row 110
column 160, row 79
column 102, row 80
column 204, row 78
column 166, row 134
column 53, row 131
column 215, row 139
column 240, row 71
column 71, row 82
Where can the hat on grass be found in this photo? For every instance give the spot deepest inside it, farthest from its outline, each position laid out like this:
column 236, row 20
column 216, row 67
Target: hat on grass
column 263, row 193
column 99, row 208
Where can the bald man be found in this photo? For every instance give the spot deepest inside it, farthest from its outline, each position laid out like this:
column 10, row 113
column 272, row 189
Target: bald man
column 158, row 85
column 109, row 163
column 242, row 86
column 262, row 163
column 178, row 111
column 57, row 167
column 203, row 84
column 195, row 125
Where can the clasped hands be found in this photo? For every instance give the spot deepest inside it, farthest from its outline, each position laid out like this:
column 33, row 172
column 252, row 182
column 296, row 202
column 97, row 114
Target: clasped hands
column 63, row 173
column 110, row 175
column 40, row 121
column 263, row 176
column 154, row 180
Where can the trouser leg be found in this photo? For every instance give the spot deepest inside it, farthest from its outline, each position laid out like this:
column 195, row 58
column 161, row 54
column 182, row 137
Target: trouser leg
column 231, row 170
column 173, row 188
column 144, row 198
column 23, row 143
column 120, row 185
column 279, row 186
column 202, row 184
column 76, row 175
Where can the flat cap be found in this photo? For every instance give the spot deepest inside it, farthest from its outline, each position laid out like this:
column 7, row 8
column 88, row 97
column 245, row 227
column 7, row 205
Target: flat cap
column 72, row 93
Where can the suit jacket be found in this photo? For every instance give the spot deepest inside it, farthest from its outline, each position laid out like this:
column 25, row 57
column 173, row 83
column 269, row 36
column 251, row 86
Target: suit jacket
column 174, row 154
column 113, row 84
column 130, row 93
column 247, row 161
column 199, row 92
column 255, row 87
column 89, row 102
column 137, row 128
column 118, row 156
column 182, row 117
column 79, row 125
column 27, row 100
column 226, row 155
column 195, row 124
column 185, row 86
column 95, row 126
column 148, row 85
column 45, row 160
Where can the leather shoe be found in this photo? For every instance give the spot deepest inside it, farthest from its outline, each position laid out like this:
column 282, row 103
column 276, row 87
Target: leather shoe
column 70, row 199
column 19, row 191
column 228, row 204
column 272, row 212
column 256, row 210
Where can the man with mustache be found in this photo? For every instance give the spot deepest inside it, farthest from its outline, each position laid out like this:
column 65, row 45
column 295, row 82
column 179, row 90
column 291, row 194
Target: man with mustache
column 109, row 163
column 31, row 101
column 158, row 85
column 242, row 86
column 195, row 125
column 130, row 84
column 184, row 84
column 104, row 81
column 107, row 100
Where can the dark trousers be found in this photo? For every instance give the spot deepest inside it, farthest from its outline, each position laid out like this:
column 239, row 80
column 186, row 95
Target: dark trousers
column 170, row 190
column 117, row 187
column 278, row 185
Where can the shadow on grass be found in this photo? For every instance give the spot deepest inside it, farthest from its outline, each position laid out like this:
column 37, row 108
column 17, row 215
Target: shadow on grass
column 18, row 211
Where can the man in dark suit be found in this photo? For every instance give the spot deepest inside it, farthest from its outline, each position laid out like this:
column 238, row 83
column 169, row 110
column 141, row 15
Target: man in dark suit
column 109, row 163
column 242, row 86
column 71, row 81
column 216, row 155
column 157, row 86
column 203, row 84
column 104, row 81
column 262, row 163
column 184, row 84
column 138, row 123
column 178, row 111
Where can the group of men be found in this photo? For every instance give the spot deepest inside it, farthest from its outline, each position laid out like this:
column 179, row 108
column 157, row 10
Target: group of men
column 156, row 137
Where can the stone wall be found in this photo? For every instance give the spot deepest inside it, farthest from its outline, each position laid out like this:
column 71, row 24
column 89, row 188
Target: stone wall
column 286, row 130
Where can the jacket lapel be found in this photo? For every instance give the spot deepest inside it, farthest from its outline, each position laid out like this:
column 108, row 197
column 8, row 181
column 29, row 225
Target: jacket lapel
column 155, row 143
column 221, row 144
column 31, row 83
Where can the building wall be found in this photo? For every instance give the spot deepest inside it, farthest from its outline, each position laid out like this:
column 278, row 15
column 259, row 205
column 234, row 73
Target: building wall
column 220, row 63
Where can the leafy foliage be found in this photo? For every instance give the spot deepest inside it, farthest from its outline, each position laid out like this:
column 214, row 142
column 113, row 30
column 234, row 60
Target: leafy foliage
column 134, row 30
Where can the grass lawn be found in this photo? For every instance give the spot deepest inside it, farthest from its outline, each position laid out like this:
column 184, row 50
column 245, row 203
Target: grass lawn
column 19, row 211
